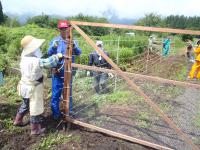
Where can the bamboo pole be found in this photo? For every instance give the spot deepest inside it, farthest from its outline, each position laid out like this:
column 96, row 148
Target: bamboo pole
column 138, row 90
column 118, row 135
column 133, row 27
column 67, row 73
column 140, row 76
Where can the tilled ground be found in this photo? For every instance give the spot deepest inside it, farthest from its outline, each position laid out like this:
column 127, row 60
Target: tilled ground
column 22, row 140
column 129, row 121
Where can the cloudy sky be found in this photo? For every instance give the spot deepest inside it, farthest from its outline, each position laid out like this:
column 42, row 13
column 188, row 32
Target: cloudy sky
column 127, row 9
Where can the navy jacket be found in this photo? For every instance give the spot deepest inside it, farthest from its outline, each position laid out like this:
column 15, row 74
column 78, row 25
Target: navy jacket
column 96, row 61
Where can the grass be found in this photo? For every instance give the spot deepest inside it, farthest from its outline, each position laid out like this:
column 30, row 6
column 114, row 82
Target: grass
column 177, row 45
column 8, row 125
column 8, row 101
column 166, row 92
column 52, row 140
column 123, row 97
column 9, row 90
column 143, row 119
column 164, row 106
column 180, row 75
column 120, row 97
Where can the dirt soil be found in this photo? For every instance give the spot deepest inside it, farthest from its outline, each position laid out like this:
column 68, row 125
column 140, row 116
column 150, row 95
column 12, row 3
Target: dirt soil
column 88, row 140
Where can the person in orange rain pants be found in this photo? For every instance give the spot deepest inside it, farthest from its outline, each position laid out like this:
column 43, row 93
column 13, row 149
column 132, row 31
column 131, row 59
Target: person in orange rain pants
column 195, row 70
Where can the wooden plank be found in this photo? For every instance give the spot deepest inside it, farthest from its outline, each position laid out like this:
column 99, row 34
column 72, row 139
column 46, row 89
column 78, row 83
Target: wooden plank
column 138, row 90
column 118, row 135
column 141, row 28
column 139, row 76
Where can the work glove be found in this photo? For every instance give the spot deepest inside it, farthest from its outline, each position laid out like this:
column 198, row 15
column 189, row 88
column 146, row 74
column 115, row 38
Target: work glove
column 60, row 55
column 110, row 75
column 192, row 60
column 55, row 44
column 88, row 73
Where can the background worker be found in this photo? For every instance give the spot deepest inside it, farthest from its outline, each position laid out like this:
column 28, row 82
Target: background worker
column 100, row 78
column 195, row 70
column 30, row 86
column 189, row 55
column 166, row 47
column 151, row 42
column 59, row 45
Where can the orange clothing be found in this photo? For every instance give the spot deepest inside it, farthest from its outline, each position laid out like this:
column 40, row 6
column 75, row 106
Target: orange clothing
column 197, row 52
column 195, row 71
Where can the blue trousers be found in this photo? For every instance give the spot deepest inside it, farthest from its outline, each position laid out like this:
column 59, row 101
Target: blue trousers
column 165, row 51
column 57, row 89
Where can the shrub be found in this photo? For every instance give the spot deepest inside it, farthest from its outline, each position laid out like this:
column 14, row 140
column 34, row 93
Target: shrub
column 3, row 62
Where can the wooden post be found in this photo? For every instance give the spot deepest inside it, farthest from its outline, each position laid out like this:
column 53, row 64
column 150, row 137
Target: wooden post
column 67, row 73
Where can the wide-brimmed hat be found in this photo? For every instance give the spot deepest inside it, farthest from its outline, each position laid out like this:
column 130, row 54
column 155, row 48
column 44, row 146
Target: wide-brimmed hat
column 30, row 44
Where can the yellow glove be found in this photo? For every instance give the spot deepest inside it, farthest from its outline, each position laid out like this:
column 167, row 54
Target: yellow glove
column 60, row 55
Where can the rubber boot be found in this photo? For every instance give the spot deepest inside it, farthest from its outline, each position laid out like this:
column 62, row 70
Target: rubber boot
column 97, row 89
column 36, row 129
column 18, row 120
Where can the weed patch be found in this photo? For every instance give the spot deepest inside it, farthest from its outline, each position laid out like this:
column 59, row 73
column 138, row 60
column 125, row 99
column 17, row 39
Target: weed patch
column 53, row 139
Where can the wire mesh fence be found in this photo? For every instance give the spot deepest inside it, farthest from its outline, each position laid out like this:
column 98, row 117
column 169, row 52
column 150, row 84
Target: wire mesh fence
column 124, row 111
column 118, row 108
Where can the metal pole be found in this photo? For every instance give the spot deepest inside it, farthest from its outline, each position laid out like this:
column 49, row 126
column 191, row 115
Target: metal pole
column 118, row 40
column 147, row 59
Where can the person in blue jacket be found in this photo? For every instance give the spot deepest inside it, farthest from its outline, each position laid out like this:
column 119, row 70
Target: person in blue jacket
column 166, row 47
column 59, row 45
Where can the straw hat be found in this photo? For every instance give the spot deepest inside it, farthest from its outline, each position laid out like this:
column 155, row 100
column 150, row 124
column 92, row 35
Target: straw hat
column 30, row 44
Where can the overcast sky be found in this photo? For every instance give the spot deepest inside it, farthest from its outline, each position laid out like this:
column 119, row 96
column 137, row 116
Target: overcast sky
column 128, row 9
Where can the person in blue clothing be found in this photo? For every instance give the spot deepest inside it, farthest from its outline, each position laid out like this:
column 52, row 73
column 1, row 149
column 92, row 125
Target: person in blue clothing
column 166, row 47
column 59, row 45
column 100, row 78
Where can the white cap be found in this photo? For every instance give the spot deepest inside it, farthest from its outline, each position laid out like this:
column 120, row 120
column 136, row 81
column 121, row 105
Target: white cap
column 99, row 43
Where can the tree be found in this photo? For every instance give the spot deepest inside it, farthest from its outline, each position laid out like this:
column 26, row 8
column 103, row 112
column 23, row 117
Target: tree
column 41, row 21
column 11, row 22
column 1, row 14
column 92, row 30
column 150, row 20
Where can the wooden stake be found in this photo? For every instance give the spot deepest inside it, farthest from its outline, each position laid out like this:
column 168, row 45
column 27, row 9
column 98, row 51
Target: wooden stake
column 67, row 72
